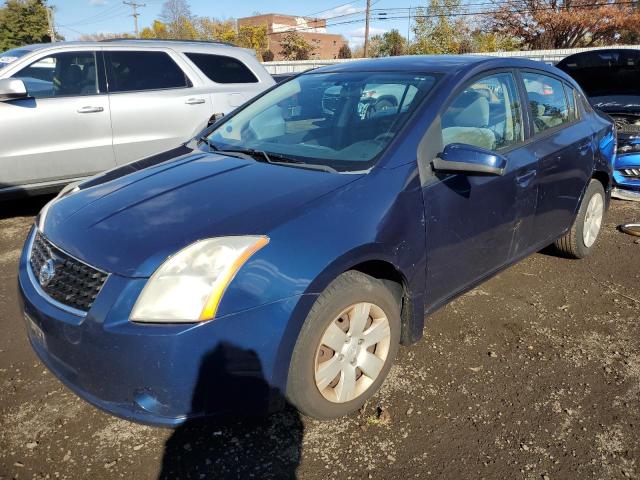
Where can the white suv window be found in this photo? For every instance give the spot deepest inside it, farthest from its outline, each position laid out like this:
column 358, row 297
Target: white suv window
column 61, row 75
column 222, row 69
column 132, row 71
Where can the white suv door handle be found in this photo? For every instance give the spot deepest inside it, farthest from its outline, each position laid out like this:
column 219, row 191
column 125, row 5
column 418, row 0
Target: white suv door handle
column 195, row 101
column 90, row 109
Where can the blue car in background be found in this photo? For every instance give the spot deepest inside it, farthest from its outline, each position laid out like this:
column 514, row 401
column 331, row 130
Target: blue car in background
column 288, row 251
column 611, row 79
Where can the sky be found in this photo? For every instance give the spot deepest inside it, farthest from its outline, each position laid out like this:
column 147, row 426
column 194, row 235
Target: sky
column 76, row 17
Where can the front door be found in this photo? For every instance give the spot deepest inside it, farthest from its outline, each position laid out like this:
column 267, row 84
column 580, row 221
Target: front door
column 475, row 224
column 62, row 130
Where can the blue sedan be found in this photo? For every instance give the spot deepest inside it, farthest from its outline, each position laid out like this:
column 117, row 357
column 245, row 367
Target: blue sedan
column 290, row 249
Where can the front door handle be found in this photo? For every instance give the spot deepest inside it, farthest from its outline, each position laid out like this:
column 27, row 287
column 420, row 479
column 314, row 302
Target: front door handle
column 525, row 179
column 195, row 101
column 90, row 109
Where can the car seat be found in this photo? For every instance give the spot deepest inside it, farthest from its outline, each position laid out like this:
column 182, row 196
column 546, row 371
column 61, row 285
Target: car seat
column 466, row 121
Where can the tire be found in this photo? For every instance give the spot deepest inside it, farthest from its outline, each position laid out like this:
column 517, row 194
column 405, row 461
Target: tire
column 343, row 305
column 578, row 242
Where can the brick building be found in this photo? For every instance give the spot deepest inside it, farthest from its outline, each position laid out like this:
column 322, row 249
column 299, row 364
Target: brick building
column 314, row 31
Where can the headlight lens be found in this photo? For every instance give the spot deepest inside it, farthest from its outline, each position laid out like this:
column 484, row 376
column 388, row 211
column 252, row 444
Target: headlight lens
column 189, row 285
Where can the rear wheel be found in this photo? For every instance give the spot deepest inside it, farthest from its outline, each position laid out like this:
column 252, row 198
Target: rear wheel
column 580, row 241
column 346, row 347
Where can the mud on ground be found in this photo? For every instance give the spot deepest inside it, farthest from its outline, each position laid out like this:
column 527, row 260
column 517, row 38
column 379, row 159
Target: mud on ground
column 533, row 375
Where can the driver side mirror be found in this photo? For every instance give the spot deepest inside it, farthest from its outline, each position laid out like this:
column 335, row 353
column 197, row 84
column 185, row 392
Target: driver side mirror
column 12, row 89
column 459, row 157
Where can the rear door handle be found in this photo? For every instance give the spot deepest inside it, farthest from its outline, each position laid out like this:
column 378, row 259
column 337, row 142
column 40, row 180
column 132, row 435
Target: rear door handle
column 525, row 179
column 90, row 109
column 195, row 101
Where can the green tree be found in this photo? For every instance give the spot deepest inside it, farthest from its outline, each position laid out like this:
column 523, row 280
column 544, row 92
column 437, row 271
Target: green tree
column 345, row 51
column 176, row 15
column 23, row 22
column 295, row 47
column 392, row 44
column 437, row 30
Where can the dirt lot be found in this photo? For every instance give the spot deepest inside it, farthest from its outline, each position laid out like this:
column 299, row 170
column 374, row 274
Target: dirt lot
column 533, row 375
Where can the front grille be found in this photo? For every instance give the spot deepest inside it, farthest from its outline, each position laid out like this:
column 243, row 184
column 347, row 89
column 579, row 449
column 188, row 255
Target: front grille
column 631, row 172
column 70, row 282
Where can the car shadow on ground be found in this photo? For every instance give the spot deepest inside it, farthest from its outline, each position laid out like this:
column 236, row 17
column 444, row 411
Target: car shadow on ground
column 23, row 206
column 258, row 446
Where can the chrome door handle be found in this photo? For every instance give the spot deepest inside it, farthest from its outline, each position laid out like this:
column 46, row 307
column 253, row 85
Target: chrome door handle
column 195, row 101
column 90, row 109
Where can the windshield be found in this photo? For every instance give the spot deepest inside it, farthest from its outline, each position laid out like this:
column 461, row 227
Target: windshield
column 607, row 72
column 11, row 56
column 340, row 120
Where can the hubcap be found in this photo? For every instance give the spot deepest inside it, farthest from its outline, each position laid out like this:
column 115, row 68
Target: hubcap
column 593, row 220
column 352, row 352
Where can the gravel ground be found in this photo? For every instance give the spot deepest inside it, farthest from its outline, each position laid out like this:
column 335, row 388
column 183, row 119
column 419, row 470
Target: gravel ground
column 533, row 375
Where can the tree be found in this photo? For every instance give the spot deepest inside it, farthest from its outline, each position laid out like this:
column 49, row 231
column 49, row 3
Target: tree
column 392, row 44
column 23, row 22
column 543, row 24
column 267, row 56
column 437, row 29
column 345, row 51
column 482, row 41
column 216, row 30
column 295, row 47
column 157, row 30
column 253, row 36
column 177, row 16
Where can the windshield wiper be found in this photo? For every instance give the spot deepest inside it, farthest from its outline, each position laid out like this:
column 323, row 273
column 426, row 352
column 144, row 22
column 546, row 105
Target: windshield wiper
column 277, row 159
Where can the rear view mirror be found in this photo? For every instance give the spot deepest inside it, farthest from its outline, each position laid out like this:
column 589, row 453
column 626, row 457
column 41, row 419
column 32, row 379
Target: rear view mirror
column 458, row 157
column 12, row 89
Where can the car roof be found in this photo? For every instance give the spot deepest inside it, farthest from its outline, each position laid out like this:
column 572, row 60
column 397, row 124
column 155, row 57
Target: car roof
column 435, row 64
column 179, row 45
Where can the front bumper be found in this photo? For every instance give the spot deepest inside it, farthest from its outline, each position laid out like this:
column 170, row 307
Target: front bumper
column 626, row 186
column 164, row 374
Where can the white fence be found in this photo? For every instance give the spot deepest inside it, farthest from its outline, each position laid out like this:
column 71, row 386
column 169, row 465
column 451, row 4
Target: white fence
column 548, row 56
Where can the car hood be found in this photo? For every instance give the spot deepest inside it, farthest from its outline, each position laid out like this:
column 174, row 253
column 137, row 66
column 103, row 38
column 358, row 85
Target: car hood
column 128, row 221
column 620, row 104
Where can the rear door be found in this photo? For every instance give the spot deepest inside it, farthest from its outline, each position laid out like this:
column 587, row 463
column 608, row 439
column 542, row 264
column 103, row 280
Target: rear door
column 563, row 143
column 478, row 223
column 155, row 104
column 62, row 130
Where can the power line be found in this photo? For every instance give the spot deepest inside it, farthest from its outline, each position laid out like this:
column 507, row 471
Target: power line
column 134, row 7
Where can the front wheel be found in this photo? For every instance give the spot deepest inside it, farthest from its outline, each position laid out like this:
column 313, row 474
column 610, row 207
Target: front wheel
column 345, row 348
column 580, row 241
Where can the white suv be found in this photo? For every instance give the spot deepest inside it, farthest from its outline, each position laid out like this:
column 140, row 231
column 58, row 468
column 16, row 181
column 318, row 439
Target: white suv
column 69, row 110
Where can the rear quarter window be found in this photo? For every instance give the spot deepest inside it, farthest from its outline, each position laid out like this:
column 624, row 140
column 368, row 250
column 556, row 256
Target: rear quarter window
column 222, row 69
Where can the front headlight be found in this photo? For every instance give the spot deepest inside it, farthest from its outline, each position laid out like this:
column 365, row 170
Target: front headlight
column 189, row 285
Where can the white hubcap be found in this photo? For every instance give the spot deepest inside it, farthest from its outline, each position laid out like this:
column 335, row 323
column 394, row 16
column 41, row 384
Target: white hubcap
column 352, row 352
column 593, row 220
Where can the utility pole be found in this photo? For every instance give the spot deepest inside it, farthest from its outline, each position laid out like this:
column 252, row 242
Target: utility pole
column 52, row 32
column 134, row 6
column 366, row 30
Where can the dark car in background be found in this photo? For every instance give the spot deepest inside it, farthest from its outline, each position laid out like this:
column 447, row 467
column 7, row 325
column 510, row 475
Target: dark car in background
column 611, row 79
column 296, row 243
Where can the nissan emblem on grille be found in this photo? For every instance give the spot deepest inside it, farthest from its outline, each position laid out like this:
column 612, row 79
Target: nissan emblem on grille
column 63, row 278
column 47, row 272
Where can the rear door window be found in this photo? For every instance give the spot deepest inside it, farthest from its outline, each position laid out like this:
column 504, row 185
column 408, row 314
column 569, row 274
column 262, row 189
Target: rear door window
column 61, row 75
column 222, row 69
column 132, row 71
column 547, row 101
